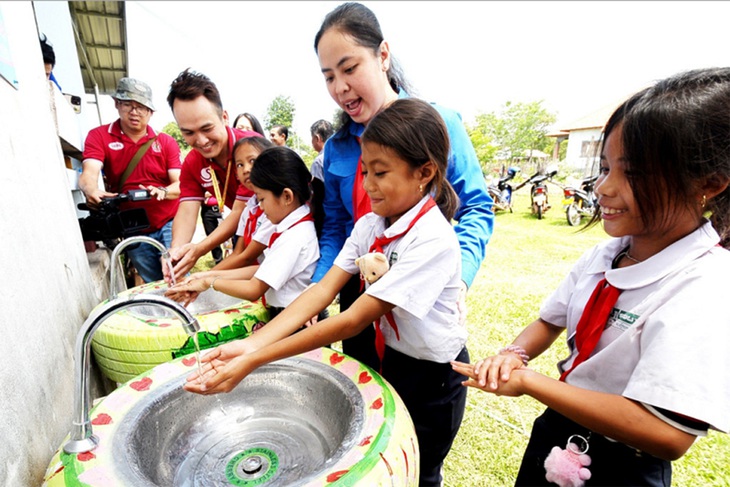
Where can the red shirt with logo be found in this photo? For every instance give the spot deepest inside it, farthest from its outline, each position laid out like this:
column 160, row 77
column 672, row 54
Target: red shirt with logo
column 195, row 177
column 115, row 150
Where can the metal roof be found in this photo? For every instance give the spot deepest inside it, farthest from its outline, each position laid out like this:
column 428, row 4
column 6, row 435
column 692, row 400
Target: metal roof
column 101, row 41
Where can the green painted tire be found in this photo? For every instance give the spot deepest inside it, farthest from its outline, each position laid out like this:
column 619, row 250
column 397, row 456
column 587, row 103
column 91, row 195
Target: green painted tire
column 384, row 452
column 129, row 342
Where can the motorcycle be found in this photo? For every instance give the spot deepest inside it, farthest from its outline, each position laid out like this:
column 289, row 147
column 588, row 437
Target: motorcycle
column 578, row 203
column 501, row 193
column 538, row 192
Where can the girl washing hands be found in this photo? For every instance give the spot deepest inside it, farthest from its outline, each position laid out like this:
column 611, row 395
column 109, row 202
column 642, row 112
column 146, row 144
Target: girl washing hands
column 280, row 181
column 405, row 150
column 645, row 312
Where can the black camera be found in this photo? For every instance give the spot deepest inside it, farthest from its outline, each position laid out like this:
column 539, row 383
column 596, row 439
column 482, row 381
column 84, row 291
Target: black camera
column 109, row 222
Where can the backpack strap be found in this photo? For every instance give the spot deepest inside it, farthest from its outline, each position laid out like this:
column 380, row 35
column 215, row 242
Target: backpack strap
column 135, row 160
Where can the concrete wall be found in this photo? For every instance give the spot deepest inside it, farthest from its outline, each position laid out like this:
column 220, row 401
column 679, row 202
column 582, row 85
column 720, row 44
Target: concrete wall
column 46, row 291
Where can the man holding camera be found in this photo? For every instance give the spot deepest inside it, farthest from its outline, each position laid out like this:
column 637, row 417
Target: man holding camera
column 133, row 156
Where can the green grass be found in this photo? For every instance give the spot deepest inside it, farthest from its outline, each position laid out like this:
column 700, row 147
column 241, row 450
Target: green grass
column 526, row 260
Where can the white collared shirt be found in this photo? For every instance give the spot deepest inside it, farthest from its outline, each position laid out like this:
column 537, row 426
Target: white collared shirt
column 423, row 282
column 666, row 343
column 264, row 227
column 289, row 263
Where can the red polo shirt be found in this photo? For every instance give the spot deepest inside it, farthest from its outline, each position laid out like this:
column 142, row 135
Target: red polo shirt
column 195, row 177
column 115, row 150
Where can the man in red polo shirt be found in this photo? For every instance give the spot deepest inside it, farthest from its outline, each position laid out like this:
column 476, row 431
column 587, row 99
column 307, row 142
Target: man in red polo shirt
column 112, row 147
column 196, row 105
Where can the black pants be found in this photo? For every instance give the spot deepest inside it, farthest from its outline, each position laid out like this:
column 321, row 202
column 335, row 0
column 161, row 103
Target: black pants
column 362, row 346
column 435, row 399
column 612, row 463
column 210, row 216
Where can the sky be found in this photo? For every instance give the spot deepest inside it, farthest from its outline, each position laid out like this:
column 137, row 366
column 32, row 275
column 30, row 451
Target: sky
column 574, row 56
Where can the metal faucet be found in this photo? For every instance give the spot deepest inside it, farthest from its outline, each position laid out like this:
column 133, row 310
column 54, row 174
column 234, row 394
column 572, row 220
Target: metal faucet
column 118, row 251
column 82, row 436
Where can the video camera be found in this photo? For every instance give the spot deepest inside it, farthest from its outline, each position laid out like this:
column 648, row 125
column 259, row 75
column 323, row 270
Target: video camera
column 108, row 222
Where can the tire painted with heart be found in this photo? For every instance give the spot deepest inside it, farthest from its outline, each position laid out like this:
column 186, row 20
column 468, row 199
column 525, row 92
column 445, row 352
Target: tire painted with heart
column 383, row 452
column 128, row 344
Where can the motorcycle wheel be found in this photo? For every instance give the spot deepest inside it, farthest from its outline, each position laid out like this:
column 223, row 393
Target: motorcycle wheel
column 539, row 212
column 573, row 215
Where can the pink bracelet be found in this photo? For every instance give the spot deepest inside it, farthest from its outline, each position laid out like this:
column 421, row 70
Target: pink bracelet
column 515, row 349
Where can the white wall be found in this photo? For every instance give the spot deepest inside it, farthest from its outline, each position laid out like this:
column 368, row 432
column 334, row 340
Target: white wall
column 46, row 289
column 575, row 142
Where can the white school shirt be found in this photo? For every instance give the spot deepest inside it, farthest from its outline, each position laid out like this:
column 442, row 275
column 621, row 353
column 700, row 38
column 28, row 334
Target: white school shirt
column 423, row 282
column 264, row 227
column 666, row 342
column 289, row 263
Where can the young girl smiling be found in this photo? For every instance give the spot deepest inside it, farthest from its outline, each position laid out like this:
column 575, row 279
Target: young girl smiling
column 414, row 304
column 645, row 312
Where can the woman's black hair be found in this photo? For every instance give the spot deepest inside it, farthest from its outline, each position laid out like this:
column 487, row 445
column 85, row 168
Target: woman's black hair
column 255, row 124
column 278, row 168
column 676, row 138
column 261, row 143
column 361, row 24
column 415, row 131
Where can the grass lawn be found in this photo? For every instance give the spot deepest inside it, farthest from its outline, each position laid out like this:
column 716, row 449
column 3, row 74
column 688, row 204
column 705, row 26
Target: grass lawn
column 526, row 260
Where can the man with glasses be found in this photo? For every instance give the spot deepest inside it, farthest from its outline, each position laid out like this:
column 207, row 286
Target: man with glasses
column 133, row 156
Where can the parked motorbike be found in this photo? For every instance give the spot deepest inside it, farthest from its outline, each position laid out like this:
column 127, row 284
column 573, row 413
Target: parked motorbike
column 538, row 191
column 580, row 202
column 501, row 193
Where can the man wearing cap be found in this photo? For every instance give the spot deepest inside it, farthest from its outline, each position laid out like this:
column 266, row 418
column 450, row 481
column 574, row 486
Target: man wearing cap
column 155, row 158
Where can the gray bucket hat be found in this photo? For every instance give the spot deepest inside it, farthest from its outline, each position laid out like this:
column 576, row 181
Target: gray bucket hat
column 130, row 89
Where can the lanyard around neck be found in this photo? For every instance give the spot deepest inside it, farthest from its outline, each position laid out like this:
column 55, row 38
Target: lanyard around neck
column 216, row 186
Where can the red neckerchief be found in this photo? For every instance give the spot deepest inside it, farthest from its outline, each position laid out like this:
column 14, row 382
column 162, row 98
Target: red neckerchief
column 360, row 198
column 274, row 236
column 593, row 321
column 377, row 246
column 251, row 221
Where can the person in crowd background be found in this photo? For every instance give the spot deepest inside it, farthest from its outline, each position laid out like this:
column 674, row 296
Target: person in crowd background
column 414, row 304
column 196, row 105
column 647, row 367
column 279, row 135
column 321, row 130
column 113, row 147
column 362, row 77
column 247, row 122
column 281, row 184
column 254, row 229
column 49, row 59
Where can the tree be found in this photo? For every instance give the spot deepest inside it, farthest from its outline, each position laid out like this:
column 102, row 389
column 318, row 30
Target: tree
column 514, row 132
column 173, row 131
column 280, row 112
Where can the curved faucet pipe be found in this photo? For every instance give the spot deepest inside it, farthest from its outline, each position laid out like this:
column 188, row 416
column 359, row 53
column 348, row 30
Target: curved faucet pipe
column 115, row 264
column 82, row 436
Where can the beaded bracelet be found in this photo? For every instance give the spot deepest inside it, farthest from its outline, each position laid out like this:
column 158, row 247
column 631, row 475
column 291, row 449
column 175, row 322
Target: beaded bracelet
column 515, row 349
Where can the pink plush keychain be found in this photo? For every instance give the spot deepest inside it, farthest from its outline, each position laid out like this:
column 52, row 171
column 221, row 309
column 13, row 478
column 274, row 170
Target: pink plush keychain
column 567, row 467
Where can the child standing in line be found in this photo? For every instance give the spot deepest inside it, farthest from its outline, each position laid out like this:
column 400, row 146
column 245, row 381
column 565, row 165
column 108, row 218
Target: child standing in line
column 645, row 312
column 404, row 158
column 254, row 228
column 280, row 180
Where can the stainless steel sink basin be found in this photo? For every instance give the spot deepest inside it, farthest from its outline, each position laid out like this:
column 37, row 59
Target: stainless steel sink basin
column 317, row 419
column 283, row 424
column 207, row 301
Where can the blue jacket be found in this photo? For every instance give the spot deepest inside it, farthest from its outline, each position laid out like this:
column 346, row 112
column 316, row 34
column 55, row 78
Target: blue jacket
column 474, row 217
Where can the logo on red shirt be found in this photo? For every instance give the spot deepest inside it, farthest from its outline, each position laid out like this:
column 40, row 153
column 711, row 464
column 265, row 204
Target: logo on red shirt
column 116, row 146
column 205, row 174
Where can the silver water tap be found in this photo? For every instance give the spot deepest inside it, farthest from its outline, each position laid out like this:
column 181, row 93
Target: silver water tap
column 115, row 264
column 82, row 436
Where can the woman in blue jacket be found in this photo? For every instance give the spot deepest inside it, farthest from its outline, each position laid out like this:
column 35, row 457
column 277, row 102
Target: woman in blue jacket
column 362, row 77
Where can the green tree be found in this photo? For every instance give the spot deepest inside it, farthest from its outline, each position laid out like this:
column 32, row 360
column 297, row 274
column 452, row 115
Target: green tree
column 280, row 112
column 173, row 131
column 513, row 132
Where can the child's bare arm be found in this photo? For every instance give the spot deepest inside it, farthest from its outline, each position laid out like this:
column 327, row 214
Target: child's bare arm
column 245, row 257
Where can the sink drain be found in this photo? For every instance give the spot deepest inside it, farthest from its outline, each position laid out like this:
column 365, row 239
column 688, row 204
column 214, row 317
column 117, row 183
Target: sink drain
column 254, row 466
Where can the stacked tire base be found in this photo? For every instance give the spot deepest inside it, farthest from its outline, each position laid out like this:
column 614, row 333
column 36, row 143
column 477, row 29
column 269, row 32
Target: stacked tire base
column 127, row 344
